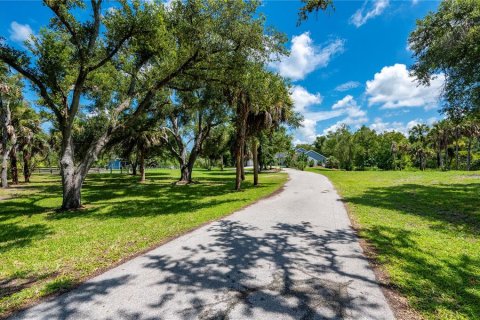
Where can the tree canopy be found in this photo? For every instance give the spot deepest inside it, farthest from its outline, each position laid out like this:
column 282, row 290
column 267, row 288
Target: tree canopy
column 447, row 43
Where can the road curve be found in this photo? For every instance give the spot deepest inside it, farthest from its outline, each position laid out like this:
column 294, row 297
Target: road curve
column 291, row 256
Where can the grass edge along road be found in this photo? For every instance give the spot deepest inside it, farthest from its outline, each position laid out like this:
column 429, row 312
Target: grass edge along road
column 425, row 230
column 44, row 252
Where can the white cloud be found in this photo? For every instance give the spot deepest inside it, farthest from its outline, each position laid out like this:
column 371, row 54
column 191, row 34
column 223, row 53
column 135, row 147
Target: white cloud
column 354, row 115
column 347, row 101
column 362, row 15
column 380, row 126
column 347, row 107
column 348, row 86
column 20, row 32
column 354, row 121
column 303, row 99
column 305, row 57
column 393, row 87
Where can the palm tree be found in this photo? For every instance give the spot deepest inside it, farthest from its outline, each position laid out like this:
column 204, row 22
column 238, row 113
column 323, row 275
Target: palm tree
column 420, row 152
column 418, row 140
column 139, row 140
column 278, row 110
column 31, row 140
column 440, row 137
column 256, row 123
column 471, row 129
column 456, row 129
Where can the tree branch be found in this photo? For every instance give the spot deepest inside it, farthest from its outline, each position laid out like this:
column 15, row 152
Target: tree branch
column 55, row 7
column 96, row 6
column 34, row 79
column 113, row 52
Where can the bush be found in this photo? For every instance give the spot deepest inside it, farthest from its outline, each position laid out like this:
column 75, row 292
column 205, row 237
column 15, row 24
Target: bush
column 311, row 163
column 475, row 165
column 332, row 163
column 301, row 161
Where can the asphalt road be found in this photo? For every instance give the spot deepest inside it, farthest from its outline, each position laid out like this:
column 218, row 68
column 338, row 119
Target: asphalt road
column 291, row 256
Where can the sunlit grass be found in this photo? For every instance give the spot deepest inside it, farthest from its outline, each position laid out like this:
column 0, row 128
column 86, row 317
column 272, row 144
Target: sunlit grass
column 426, row 229
column 43, row 251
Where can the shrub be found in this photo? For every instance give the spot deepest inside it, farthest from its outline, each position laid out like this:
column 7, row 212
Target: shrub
column 332, row 163
column 301, row 161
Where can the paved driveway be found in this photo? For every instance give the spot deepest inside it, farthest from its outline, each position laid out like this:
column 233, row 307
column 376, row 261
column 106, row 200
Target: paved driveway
column 292, row 256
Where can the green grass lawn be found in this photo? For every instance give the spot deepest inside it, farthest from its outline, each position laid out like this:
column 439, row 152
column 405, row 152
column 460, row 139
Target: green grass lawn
column 43, row 251
column 425, row 227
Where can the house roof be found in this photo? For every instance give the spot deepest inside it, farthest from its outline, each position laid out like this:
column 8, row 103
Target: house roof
column 300, row 150
column 315, row 155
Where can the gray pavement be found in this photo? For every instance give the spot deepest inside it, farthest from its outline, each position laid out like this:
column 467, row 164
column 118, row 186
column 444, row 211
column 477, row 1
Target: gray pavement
column 291, row 256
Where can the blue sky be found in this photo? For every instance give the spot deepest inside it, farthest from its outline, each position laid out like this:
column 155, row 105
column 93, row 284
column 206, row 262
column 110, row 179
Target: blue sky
column 348, row 66
column 351, row 65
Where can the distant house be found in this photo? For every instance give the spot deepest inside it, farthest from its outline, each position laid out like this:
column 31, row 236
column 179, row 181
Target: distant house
column 318, row 159
column 116, row 164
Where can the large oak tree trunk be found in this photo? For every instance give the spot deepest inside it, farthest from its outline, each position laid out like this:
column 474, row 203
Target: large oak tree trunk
column 71, row 182
column 182, row 161
column 186, row 166
column 74, row 176
column 14, row 165
column 185, row 174
column 72, row 187
column 255, row 161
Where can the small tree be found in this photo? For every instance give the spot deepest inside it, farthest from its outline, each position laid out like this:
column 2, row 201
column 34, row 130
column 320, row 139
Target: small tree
column 189, row 123
column 301, row 161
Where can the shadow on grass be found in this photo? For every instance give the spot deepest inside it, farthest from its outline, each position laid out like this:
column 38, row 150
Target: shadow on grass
column 456, row 207
column 131, row 199
column 13, row 235
column 110, row 196
column 435, row 283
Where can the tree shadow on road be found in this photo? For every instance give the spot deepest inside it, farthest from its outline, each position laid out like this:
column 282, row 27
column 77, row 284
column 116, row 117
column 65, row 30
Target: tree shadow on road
column 297, row 256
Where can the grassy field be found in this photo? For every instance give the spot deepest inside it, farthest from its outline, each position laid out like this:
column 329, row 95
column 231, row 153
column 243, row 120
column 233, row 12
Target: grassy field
column 43, row 251
column 425, row 227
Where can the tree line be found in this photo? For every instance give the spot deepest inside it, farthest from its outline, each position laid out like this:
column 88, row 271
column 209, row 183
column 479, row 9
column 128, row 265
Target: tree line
column 142, row 79
column 445, row 145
